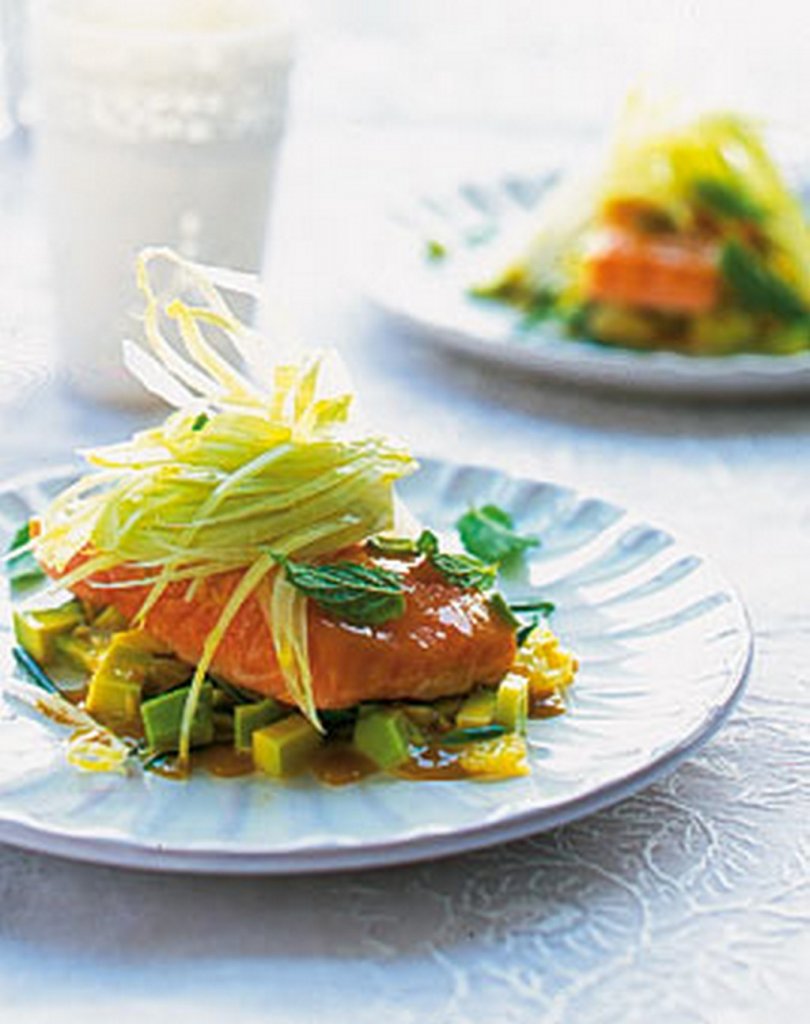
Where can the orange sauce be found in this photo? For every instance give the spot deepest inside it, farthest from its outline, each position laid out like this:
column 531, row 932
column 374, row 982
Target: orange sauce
column 74, row 694
column 338, row 764
column 547, row 705
column 54, row 713
column 222, row 760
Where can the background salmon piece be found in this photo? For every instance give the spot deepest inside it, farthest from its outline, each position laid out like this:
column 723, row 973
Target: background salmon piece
column 447, row 641
column 664, row 272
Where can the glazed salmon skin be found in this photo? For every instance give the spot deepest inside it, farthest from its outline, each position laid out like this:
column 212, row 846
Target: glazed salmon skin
column 447, row 641
column 664, row 272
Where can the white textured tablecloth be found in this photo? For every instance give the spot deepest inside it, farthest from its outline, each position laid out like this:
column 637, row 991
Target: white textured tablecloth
column 687, row 903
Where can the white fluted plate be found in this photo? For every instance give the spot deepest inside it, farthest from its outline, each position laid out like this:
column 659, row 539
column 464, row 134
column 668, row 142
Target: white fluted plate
column 431, row 299
column 664, row 646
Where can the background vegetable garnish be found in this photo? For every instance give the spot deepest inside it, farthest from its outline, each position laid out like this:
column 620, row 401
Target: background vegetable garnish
column 688, row 238
column 728, row 200
column 756, row 287
column 488, row 533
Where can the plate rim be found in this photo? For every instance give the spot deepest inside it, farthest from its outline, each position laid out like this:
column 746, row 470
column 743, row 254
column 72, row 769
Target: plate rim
column 161, row 858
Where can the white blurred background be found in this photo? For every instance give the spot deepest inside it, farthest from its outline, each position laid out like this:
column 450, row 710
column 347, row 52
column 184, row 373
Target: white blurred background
column 533, row 63
column 388, row 95
column 524, row 63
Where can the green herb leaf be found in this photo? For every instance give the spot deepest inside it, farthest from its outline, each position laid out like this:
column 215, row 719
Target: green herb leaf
column 428, row 543
column 727, row 200
column 22, row 568
column 200, row 422
column 465, row 571
column 756, row 286
column 500, row 606
column 459, row 570
column 488, row 532
column 474, row 734
column 363, row 595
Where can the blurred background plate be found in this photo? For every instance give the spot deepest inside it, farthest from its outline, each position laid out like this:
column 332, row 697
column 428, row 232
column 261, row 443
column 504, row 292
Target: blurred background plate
column 664, row 647
column 429, row 296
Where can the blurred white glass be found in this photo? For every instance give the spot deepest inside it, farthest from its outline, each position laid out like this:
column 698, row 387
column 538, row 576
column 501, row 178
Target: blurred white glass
column 161, row 124
column 13, row 39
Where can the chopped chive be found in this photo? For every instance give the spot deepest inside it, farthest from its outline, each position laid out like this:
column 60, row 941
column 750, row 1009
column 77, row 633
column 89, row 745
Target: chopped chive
column 544, row 608
column 22, row 568
column 472, row 735
column 35, row 671
column 526, row 630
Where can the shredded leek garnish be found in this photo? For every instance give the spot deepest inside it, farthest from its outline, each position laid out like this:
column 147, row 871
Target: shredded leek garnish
column 244, row 466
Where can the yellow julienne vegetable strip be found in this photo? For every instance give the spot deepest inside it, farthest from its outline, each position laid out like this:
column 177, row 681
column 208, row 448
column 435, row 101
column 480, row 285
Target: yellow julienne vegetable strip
column 246, row 586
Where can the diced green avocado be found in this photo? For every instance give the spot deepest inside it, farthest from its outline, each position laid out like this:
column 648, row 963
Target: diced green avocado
column 80, row 651
column 36, row 631
column 134, row 656
column 247, row 718
column 477, row 710
column 110, row 620
column 114, row 699
column 163, row 716
column 383, row 736
column 283, row 748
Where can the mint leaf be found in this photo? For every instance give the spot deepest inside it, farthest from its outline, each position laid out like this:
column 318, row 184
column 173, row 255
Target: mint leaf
column 463, row 571
column 428, row 543
column 488, row 532
column 363, row 595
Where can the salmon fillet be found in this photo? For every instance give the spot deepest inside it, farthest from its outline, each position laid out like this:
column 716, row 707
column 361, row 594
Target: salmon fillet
column 664, row 272
column 448, row 640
